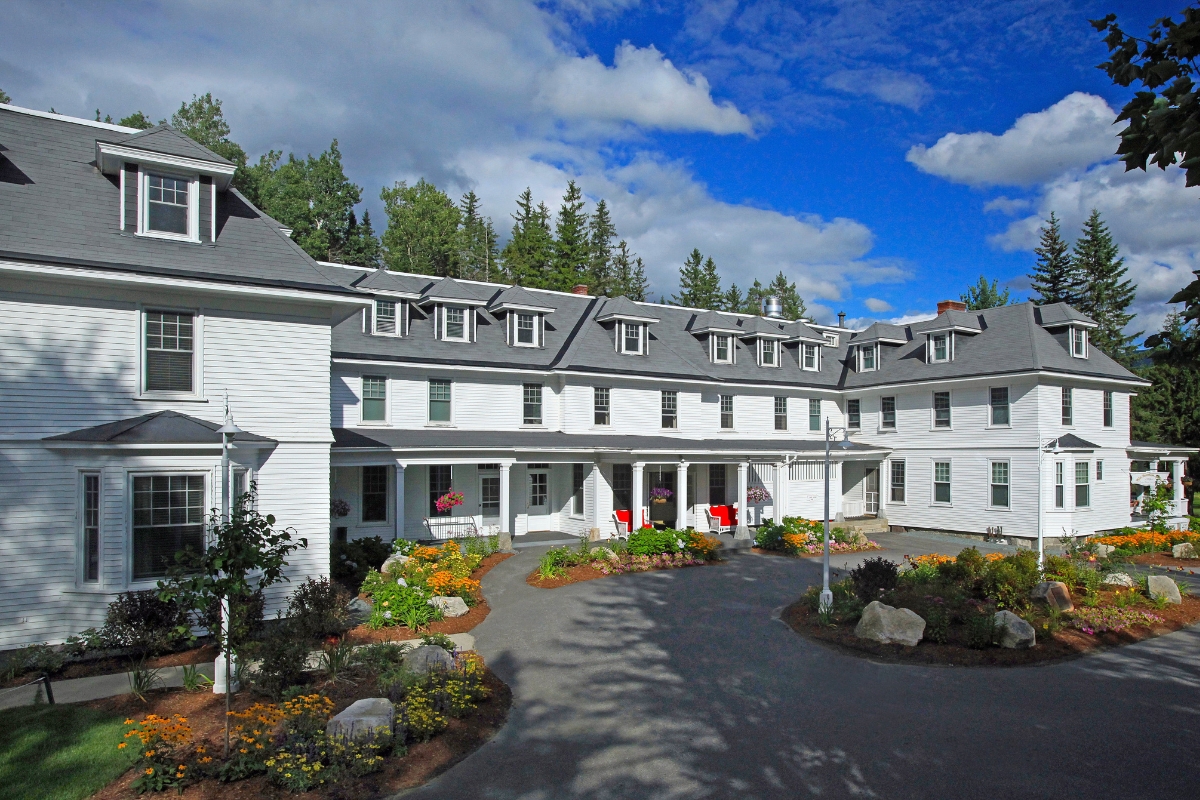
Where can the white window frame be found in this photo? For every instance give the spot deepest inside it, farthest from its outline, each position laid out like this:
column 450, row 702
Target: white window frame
column 883, row 426
column 1066, row 406
column 607, row 406
column 933, row 482
column 850, row 424
column 783, row 414
column 771, row 347
column 149, row 583
column 466, row 323
column 397, row 317
column 990, row 475
column 535, row 330
column 362, row 401
column 891, row 485
column 429, row 420
column 1078, row 341
column 721, row 412
column 388, row 512
column 1099, row 470
column 673, row 397
column 1108, row 408
column 197, row 392
column 541, row 405
column 81, row 578
column 933, row 426
column 832, row 338
column 814, row 350
column 933, row 359
column 862, row 362
column 1060, row 489
column 1087, row 475
column 623, row 327
column 818, row 415
column 991, row 414
column 143, row 205
column 714, row 341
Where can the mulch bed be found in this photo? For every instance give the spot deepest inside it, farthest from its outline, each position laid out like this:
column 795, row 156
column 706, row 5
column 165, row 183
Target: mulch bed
column 586, row 572
column 1167, row 560
column 398, row 633
column 1067, row 643
column 204, row 654
column 832, row 554
column 205, row 713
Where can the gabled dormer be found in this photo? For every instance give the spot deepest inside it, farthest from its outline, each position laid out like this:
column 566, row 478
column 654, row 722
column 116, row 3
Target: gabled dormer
column 720, row 332
column 169, row 185
column 455, row 308
column 524, row 316
column 943, row 333
column 393, row 297
column 766, row 338
column 866, row 347
column 1069, row 326
column 631, row 325
column 810, row 345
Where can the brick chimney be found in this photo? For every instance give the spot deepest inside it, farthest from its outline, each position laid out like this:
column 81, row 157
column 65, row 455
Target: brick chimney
column 951, row 305
column 579, row 288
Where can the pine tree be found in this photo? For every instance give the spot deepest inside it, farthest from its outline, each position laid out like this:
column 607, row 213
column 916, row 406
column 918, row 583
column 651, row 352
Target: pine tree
column 136, row 120
column 629, row 274
column 754, row 297
column 4, row 98
column 983, row 295
column 789, row 297
column 422, row 233
column 477, row 251
column 527, row 256
column 362, row 245
column 1054, row 277
column 571, row 254
column 1107, row 294
column 733, row 300
column 601, row 232
column 699, row 283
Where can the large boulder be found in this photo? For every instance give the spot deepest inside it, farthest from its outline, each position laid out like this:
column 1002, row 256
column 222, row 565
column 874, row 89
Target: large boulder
column 1054, row 594
column 1184, row 550
column 1014, row 632
column 1119, row 579
column 393, row 562
column 609, row 554
column 360, row 610
column 885, row 624
column 1162, row 586
column 427, row 658
column 1105, row 550
column 449, row 606
column 364, row 717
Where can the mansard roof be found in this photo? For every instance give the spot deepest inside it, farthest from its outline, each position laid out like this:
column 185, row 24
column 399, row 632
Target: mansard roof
column 1055, row 315
column 624, row 308
column 951, row 320
column 881, row 332
column 158, row 428
column 521, row 299
column 165, row 140
column 451, row 290
column 713, row 321
column 385, row 281
column 59, row 208
column 761, row 327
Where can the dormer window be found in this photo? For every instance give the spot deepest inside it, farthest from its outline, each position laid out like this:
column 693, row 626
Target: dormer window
column 722, row 348
column 391, row 318
column 631, row 338
column 768, row 353
column 810, row 357
column 867, row 358
column 1079, row 342
column 454, row 327
column 526, row 334
column 169, row 208
column 832, row 339
column 526, row 329
column 941, row 347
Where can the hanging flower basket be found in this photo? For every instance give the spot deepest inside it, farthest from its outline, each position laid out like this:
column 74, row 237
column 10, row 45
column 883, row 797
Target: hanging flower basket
column 449, row 500
column 758, row 494
column 660, row 495
column 338, row 508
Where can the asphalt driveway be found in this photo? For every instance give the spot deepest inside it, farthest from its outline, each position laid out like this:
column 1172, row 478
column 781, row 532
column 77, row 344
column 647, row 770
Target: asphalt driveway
column 684, row 684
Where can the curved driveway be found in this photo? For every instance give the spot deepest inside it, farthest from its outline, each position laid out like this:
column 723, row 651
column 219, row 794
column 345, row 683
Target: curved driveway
column 684, row 684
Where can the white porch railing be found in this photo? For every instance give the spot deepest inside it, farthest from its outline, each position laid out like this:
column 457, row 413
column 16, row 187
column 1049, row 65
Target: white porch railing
column 441, row 528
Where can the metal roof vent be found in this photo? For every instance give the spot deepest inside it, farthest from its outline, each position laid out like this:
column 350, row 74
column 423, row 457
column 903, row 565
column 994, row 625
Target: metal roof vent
column 772, row 308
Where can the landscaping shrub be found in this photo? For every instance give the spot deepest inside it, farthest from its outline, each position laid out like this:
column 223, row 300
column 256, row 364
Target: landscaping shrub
column 651, row 542
column 320, row 609
column 32, row 658
column 140, row 621
column 937, row 621
column 482, row 546
column 966, row 569
column 396, row 603
column 981, row 627
column 874, row 577
column 701, row 546
column 351, row 561
column 283, row 654
column 1009, row 580
column 554, row 562
column 770, row 537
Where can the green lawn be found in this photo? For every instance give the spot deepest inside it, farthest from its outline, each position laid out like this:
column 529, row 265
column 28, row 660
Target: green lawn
column 60, row 752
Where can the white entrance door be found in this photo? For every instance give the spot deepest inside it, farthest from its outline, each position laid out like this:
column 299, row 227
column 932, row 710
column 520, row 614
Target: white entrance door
column 489, row 499
column 871, row 491
column 537, row 503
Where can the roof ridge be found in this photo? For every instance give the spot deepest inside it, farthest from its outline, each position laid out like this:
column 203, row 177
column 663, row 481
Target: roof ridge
column 33, row 112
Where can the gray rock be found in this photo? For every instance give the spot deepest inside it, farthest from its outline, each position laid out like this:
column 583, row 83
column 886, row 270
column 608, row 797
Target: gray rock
column 504, row 542
column 393, row 562
column 426, row 658
column 450, row 606
column 857, row 538
column 1119, row 579
column 610, row 554
column 363, row 717
column 1184, row 550
column 1014, row 632
column 1162, row 586
column 360, row 610
column 1105, row 550
column 1054, row 594
column 885, row 624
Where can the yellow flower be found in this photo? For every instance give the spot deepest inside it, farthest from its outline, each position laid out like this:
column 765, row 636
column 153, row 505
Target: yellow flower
column 121, row 746
column 130, row 722
column 149, row 754
column 149, row 770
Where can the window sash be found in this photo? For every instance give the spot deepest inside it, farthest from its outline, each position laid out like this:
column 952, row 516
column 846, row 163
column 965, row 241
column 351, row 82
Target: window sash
column 1108, row 409
column 941, row 347
column 717, row 482
column 887, row 406
column 441, row 480
column 601, row 400
column 1000, row 484
column 168, row 516
column 525, row 329
column 767, row 346
column 439, row 401
column 456, row 323
column 531, row 404
column 727, row 411
column 373, row 493
column 810, row 356
column 1078, row 342
column 1067, row 402
column 1000, row 406
column 1083, row 471
column 91, row 528
column 898, row 480
column 385, row 316
column 854, row 414
column 868, row 358
column 941, row 481
column 670, row 409
column 577, row 477
column 622, row 487
column 781, row 413
column 167, row 207
column 632, row 337
column 170, row 342
column 374, row 398
column 721, row 347
column 539, row 489
column 814, row 415
column 941, row 409
column 1059, row 489
column 1099, row 469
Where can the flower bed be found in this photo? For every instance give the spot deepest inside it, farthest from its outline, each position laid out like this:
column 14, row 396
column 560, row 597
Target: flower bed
column 647, row 549
column 797, row 536
column 401, row 595
column 1130, row 540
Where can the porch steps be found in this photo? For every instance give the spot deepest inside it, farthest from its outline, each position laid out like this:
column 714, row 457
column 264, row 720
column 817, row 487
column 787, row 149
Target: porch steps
column 863, row 525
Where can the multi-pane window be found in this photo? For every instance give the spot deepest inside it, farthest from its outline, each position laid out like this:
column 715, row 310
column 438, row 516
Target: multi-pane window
column 167, row 205
column 814, row 415
column 91, row 528
column 670, row 409
column 168, row 517
column 722, row 352
column 868, row 357
column 810, row 357
column 601, row 404
column 169, row 351
column 441, row 476
column 1099, row 470
column 941, row 409
column 374, row 398
column 999, row 405
column 526, row 332
column 631, row 338
column 941, row 481
column 727, row 411
column 854, row 414
column 531, row 404
column 887, row 412
column 1060, row 499
column 1079, row 342
column 940, row 344
column 374, row 494
column 999, row 484
column 769, row 352
column 898, row 480
column 439, row 400
column 385, row 316
column 577, row 475
column 1083, row 489
column 539, row 489
column 456, row 323
column 1108, row 409
column 622, row 487
column 1068, row 414
column 716, row 484
column 781, row 413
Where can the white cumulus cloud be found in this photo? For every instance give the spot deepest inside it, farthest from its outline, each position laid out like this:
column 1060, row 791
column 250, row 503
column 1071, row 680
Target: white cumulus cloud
column 1074, row 133
column 877, row 305
column 888, row 85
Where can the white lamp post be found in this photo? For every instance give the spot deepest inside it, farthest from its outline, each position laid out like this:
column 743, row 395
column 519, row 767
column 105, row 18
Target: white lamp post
column 222, row 666
column 845, row 444
column 1055, row 449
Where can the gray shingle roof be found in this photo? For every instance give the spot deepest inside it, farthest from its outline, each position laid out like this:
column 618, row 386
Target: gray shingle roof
column 1057, row 314
column 624, row 307
column 383, row 280
column 761, row 326
column 66, row 212
column 519, row 297
column 880, row 332
column 161, row 427
column 1070, row 441
column 167, row 140
column 714, row 321
column 802, row 332
column 451, row 289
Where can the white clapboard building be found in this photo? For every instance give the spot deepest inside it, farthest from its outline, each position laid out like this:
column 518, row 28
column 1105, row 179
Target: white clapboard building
column 139, row 290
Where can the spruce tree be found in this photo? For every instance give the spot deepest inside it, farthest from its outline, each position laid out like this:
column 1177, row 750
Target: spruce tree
column 629, row 274
column 1054, row 277
column 983, row 295
column 571, row 256
column 789, row 297
column 477, row 247
column 733, row 300
column 362, row 245
column 1107, row 294
column 699, row 283
column 601, row 232
column 530, row 249
column 754, row 297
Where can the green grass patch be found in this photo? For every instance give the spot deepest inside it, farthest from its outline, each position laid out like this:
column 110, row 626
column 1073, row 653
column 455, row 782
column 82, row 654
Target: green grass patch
column 60, row 752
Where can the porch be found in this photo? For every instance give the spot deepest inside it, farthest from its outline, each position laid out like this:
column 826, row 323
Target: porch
column 1152, row 464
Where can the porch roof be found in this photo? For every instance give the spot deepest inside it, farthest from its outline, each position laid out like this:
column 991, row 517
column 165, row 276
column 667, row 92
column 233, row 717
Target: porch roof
column 1157, row 449
column 347, row 440
column 159, row 428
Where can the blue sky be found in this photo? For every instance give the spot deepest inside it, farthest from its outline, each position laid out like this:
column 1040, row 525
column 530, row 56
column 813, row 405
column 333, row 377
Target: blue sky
column 882, row 154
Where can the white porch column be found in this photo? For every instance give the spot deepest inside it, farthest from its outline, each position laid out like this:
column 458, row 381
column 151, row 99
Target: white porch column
column 597, row 480
column 778, row 491
column 681, row 496
column 505, row 522
column 635, row 518
column 399, row 500
column 743, row 530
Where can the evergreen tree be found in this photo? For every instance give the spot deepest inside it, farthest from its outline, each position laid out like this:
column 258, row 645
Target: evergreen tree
column 530, row 249
column 571, row 251
column 629, row 274
column 4, row 98
column 1054, row 277
column 422, row 235
column 1169, row 409
column 699, row 283
column 107, row 117
column 983, row 295
column 362, row 245
column 789, row 297
column 733, row 300
column 754, row 297
column 136, row 120
column 1107, row 294
column 601, row 232
column 478, row 250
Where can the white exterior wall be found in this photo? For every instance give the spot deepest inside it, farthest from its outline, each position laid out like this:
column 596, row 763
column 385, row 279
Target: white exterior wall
column 71, row 361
